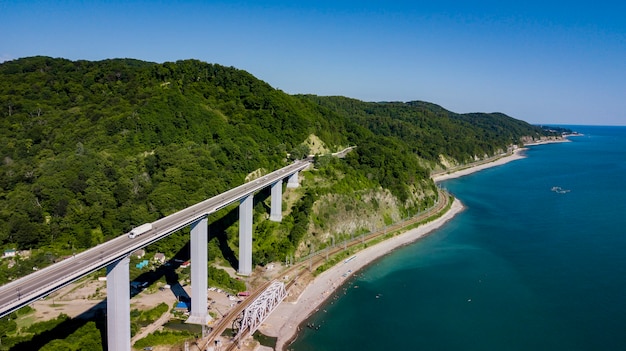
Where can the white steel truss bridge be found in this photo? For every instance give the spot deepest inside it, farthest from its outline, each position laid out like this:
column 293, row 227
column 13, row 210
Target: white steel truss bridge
column 251, row 318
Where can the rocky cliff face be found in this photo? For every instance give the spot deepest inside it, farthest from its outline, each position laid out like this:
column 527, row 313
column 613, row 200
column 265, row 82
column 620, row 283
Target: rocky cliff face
column 339, row 217
column 542, row 139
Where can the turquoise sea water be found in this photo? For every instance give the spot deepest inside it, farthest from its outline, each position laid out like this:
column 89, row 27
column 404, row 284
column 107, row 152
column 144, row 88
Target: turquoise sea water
column 522, row 268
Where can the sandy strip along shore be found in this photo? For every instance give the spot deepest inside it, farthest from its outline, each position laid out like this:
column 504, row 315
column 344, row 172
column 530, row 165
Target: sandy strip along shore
column 516, row 155
column 283, row 323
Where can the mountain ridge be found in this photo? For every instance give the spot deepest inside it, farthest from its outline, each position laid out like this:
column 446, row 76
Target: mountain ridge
column 91, row 148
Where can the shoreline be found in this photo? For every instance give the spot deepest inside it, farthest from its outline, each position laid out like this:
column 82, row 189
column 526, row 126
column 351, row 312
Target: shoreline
column 284, row 323
column 518, row 154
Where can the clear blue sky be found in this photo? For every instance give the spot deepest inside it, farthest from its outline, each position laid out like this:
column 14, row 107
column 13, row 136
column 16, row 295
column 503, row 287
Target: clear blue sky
column 539, row 61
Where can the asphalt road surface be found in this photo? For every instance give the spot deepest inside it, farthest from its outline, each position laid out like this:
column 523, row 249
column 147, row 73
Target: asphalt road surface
column 40, row 283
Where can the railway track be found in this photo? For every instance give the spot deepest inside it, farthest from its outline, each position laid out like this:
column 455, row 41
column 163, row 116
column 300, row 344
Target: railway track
column 316, row 261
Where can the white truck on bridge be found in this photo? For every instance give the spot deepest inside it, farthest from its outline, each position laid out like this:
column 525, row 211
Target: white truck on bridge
column 140, row 230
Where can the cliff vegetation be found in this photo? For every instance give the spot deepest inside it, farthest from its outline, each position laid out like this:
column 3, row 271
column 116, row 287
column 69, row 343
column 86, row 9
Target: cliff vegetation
column 90, row 149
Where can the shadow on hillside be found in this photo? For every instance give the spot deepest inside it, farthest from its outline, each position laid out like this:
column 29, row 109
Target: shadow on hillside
column 68, row 327
column 217, row 231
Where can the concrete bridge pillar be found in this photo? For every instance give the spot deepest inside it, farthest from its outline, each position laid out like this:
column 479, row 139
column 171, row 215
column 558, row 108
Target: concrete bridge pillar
column 245, row 235
column 118, row 305
column 276, row 213
column 199, row 274
column 292, row 181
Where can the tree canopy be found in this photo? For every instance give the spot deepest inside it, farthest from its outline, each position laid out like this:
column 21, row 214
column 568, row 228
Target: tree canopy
column 90, row 149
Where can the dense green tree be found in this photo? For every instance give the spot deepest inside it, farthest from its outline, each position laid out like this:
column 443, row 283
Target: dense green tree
column 7, row 325
column 89, row 150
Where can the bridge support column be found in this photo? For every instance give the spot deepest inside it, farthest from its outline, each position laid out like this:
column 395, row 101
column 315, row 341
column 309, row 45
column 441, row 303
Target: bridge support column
column 199, row 259
column 292, row 181
column 245, row 235
column 118, row 305
column 276, row 212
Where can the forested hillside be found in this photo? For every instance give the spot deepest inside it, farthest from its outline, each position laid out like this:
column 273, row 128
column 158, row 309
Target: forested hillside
column 429, row 130
column 90, row 149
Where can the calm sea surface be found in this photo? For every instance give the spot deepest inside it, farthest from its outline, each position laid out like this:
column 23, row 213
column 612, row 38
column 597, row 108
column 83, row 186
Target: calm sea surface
column 524, row 267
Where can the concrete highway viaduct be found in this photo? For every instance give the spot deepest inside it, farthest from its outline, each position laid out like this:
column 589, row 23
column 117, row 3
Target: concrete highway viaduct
column 114, row 255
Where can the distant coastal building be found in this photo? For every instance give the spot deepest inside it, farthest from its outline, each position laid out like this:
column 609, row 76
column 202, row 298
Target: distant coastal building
column 181, row 306
column 139, row 253
column 159, row 257
column 9, row 253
